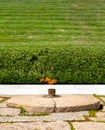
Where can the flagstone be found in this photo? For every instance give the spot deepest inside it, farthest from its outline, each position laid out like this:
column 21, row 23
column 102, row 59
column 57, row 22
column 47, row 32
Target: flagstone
column 59, row 125
column 88, row 126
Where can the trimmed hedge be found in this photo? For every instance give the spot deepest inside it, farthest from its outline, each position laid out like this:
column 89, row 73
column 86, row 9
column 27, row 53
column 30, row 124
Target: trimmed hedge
column 74, row 65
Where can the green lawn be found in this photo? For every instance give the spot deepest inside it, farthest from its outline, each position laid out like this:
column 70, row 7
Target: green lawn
column 52, row 23
column 59, row 39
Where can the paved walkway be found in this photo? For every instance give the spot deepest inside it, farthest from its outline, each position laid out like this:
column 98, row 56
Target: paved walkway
column 18, row 119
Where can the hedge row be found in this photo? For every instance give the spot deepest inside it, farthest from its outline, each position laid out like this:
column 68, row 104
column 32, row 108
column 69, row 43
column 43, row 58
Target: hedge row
column 74, row 65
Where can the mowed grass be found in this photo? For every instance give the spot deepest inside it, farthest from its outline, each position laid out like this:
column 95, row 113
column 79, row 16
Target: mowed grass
column 51, row 23
column 59, row 39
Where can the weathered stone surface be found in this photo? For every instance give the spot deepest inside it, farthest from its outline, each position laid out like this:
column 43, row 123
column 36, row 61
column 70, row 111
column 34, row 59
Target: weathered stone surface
column 33, row 104
column 59, row 125
column 67, row 103
column 88, row 126
column 52, row 117
column 69, row 116
column 64, row 103
column 100, row 116
column 3, row 104
column 9, row 111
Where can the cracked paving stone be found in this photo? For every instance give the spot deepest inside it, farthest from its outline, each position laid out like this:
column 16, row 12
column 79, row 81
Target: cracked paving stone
column 65, row 103
column 9, row 111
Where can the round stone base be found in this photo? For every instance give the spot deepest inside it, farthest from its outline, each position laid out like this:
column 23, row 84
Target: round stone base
column 62, row 103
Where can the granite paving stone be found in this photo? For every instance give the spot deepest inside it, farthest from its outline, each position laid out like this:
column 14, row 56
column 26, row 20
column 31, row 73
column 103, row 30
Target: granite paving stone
column 3, row 104
column 33, row 103
column 100, row 116
column 74, row 102
column 52, row 117
column 9, row 111
column 89, row 126
column 70, row 115
column 59, row 125
column 63, row 103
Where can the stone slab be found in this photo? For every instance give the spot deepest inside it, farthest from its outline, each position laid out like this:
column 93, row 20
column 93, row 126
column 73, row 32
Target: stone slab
column 3, row 104
column 9, row 111
column 68, row 103
column 33, row 103
column 62, row 103
column 59, row 125
column 100, row 116
column 70, row 116
column 88, row 126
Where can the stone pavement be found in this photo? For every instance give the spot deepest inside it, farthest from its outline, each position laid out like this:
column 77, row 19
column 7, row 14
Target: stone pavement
column 18, row 119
